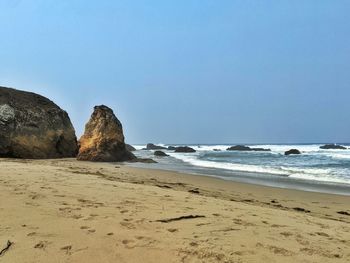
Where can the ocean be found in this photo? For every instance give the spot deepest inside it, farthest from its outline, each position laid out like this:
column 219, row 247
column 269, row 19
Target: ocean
column 314, row 170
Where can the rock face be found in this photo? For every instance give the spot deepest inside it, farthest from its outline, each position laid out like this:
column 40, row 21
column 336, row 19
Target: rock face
column 246, row 148
column 184, row 149
column 103, row 139
column 160, row 154
column 151, row 146
column 33, row 127
column 292, row 151
column 333, row 147
column 130, row 148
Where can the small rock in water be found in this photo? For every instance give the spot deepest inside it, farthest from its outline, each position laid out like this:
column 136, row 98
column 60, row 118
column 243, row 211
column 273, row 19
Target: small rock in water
column 160, row 154
column 292, row 151
column 333, row 147
column 184, row 149
column 151, row 146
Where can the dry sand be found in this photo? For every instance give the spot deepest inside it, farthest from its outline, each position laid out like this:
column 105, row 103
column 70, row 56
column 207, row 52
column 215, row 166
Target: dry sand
column 69, row 211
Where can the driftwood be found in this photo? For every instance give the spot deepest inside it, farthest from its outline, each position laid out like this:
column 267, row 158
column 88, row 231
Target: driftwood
column 8, row 245
column 179, row 218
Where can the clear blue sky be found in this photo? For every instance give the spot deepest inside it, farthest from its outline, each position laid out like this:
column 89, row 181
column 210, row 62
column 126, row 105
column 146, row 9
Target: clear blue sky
column 187, row 71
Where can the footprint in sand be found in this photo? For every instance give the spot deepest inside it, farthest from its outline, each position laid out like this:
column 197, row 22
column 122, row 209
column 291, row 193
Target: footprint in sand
column 41, row 245
column 127, row 243
column 67, row 249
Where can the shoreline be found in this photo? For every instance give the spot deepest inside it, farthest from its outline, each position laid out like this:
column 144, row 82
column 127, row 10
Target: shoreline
column 64, row 210
column 314, row 169
column 281, row 182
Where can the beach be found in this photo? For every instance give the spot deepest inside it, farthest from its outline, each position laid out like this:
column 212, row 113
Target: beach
column 64, row 210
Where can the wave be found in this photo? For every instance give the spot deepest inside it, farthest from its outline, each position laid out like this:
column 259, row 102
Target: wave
column 192, row 159
column 305, row 173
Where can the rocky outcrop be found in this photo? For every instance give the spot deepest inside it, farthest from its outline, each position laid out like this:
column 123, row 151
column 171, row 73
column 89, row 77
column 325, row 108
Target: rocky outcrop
column 103, row 139
column 184, row 149
column 151, row 146
column 292, row 151
column 238, row 148
column 33, row 127
column 246, row 148
column 332, row 147
column 160, row 154
column 171, row 148
column 130, row 148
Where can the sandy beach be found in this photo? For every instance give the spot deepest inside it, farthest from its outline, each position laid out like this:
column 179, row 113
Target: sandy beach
column 69, row 211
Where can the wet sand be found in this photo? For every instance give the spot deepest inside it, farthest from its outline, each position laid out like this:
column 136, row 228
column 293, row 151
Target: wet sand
column 70, row 211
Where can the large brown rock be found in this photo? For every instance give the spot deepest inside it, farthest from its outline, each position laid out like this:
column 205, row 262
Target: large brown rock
column 32, row 126
column 103, row 140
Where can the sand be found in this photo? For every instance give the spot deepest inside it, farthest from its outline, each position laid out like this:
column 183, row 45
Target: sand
column 70, row 211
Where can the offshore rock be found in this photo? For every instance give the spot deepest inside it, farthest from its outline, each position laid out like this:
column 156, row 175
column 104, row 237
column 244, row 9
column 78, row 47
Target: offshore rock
column 246, row 148
column 292, row 151
column 103, row 139
column 160, row 154
column 332, row 147
column 184, row 149
column 34, row 127
column 151, row 146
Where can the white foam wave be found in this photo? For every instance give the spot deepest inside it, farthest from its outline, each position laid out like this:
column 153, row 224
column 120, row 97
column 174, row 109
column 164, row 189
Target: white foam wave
column 344, row 156
column 324, row 178
column 318, row 174
column 192, row 159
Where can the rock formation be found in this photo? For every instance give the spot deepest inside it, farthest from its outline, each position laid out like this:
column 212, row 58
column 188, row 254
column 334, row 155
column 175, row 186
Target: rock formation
column 292, row 151
column 103, row 139
column 130, row 148
column 171, row 148
column 151, row 146
column 160, row 154
column 33, row 127
column 246, row 148
column 333, row 147
column 184, row 149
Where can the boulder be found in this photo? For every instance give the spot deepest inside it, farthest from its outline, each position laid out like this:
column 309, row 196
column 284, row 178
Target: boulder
column 160, row 154
column 103, row 139
column 171, row 148
column 151, row 146
column 239, row 148
column 34, row 127
column 184, row 149
column 216, row 150
column 130, row 148
column 292, row 151
column 332, row 147
column 246, row 148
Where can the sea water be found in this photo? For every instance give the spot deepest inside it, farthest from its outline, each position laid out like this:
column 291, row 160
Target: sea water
column 315, row 169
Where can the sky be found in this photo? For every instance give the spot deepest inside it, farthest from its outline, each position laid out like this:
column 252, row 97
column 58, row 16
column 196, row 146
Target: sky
column 187, row 71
